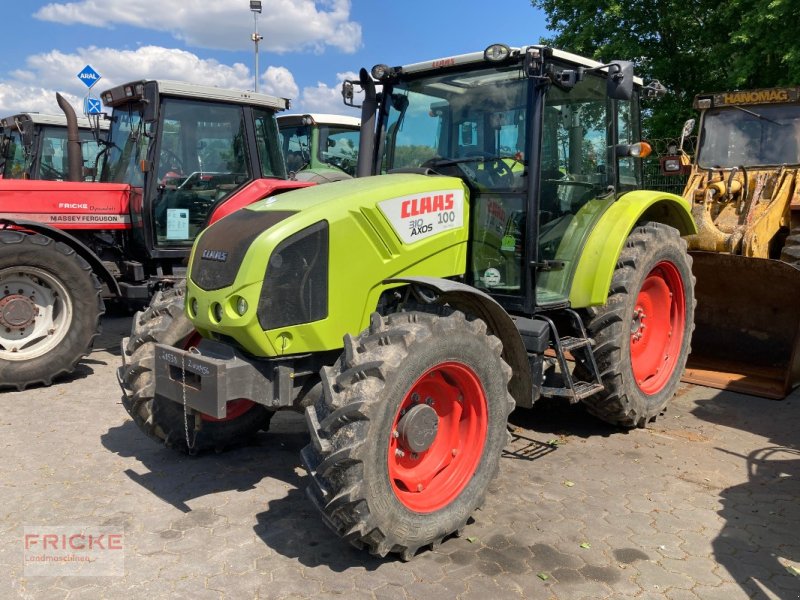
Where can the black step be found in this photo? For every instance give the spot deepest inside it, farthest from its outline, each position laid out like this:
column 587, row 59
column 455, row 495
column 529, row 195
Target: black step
column 580, row 390
column 569, row 343
column 584, row 389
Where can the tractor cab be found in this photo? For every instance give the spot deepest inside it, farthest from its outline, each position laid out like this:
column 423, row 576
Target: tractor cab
column 34, row 146
column 187, row 149
column 544, row 140
column 319, row 147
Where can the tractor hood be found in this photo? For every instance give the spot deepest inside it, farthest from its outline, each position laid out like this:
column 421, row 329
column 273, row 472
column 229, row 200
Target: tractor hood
column 281, row 276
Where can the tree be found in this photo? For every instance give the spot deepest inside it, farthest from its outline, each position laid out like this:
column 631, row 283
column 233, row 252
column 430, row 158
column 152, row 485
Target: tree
column 690, row 46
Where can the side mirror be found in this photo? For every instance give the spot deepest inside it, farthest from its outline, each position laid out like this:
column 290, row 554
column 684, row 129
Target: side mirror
column 654, row 90
column 348, row 93
column 619, row 85
column 688, row 128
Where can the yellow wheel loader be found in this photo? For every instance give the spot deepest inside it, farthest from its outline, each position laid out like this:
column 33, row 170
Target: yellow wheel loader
column 744, row 190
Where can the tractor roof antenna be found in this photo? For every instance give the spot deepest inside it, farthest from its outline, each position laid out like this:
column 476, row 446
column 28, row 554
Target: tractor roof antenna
column 255, row 7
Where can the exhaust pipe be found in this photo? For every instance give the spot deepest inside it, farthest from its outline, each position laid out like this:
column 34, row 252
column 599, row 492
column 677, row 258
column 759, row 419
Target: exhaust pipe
column 74, row 154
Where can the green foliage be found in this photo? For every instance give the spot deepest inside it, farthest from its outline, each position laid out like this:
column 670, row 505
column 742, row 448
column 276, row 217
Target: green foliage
column 690, row 46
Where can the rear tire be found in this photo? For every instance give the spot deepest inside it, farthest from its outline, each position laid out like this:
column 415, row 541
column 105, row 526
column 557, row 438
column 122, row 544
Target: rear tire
column 643, row 332
column 164, row 322
column 408, row 431
column 50, row 309
column 790, row 253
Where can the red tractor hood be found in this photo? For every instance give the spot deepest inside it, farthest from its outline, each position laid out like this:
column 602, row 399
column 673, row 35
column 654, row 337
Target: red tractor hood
column 67, row 204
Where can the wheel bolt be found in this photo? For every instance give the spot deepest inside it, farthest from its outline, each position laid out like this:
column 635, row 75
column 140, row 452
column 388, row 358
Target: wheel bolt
column 414, row 398
column 420, row 487
column 454, row 451
column 429, row 401
column 399, row 453
column 414, row 456
column 395, row 434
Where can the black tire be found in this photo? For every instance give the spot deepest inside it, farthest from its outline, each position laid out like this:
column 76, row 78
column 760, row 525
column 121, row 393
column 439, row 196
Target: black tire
column 626, row 401
column 353, row 422
column 50, row 309
column 790, row 253
column 164, row 322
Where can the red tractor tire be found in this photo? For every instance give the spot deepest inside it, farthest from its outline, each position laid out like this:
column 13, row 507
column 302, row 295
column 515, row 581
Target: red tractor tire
column 164, row 322
column 408, row 432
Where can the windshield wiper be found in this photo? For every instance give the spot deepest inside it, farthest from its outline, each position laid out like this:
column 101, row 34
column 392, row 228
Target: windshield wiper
column 755, row 114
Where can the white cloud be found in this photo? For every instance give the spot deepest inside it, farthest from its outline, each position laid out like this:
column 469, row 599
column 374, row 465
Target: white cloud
column 34, row 88
column 16, row 98
column 279, row 81
column 327, row 99
column 287, row 25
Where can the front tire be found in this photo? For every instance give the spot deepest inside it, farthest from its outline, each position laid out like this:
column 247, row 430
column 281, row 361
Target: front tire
column 408, row 432
column 50, row 309
column 164, row 322
column 643, row 332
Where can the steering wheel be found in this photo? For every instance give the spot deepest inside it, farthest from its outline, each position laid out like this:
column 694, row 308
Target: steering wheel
column 498, row 172
column 169, row 158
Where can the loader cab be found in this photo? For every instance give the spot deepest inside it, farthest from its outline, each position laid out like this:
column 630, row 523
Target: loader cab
column 186, row 149
column 752, row 128
column 35, row 146
column 541, row 142
column 319, row 147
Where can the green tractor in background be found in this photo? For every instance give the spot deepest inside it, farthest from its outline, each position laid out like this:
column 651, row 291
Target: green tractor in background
column 494, row 249
column 319, row 148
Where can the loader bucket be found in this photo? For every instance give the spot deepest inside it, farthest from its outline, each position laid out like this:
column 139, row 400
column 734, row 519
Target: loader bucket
column 747, row 325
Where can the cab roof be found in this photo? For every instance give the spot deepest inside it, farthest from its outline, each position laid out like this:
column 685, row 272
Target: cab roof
column 119, row 95
column 44, row 119
column 319, row 119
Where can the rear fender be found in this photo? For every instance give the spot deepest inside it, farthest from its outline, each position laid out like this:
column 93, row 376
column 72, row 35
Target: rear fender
column 599, row 257
column 476, row 303
column 62, row 236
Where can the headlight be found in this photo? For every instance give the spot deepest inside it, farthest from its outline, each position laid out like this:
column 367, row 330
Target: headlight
column 295, row 286
column 216, row 312
column 241, row 306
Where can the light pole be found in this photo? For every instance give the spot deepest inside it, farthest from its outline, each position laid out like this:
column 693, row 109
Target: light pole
column 255, row 6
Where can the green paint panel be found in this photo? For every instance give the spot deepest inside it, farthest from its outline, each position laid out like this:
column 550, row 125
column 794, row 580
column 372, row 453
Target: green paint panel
column 365, row 249
column 599, row 257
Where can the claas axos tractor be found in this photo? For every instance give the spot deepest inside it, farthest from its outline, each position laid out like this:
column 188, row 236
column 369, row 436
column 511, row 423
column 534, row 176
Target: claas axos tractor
column 178, row 157
column 493, row 250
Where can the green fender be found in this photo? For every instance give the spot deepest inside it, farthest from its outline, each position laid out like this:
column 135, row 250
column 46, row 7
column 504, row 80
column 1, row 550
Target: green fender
column 599, row 257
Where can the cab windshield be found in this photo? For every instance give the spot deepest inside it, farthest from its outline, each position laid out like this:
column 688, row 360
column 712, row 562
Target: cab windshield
column 474, row 125
column 127, row 147
column 756, row 135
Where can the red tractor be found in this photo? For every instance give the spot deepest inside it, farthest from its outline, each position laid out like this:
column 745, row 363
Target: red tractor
column 178, row 157
column 34, row 146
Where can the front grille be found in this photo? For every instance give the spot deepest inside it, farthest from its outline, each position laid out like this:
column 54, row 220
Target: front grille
column 295, row 286
column 220, row 250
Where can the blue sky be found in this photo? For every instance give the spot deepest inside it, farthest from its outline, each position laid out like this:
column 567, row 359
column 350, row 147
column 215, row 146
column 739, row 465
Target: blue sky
column 308, row 47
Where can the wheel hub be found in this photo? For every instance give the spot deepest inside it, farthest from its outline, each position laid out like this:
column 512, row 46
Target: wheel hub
column 418, row 427
column 638, row 326
column 17, row 311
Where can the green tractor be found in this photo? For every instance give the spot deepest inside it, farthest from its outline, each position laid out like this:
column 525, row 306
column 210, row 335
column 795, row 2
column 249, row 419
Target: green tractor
column 319, row 148
column 494, row 249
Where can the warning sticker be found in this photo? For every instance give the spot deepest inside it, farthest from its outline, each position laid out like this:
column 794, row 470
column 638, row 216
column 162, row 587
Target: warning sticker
column 419, row 216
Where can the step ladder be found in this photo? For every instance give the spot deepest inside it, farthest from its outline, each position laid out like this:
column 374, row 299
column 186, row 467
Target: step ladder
column 580, row 346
